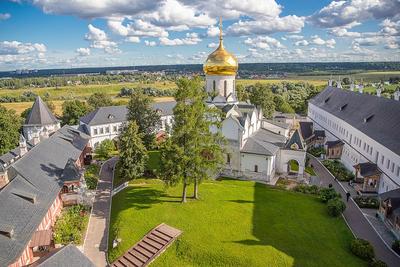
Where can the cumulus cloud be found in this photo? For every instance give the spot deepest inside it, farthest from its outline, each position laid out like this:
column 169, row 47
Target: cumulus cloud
column 316, row 40
column 294, row 37
column 212, row 45
column 199, row 56
column 263, row 42
column 133, row 39
column 16, row 48
column 301, row 43
column 5, row 16
column 344, row 13
column 190, row 39
column 83, row 52
column 150, row 43
column 100, row 40
column 212, row 31
column 290, row 23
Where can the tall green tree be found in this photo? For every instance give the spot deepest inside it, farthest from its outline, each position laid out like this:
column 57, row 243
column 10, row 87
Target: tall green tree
column 104, row 149
column 241, row 93
column 73, row 110
column 261, row 96
column 10, row 124
column 97, row 100
column 146, row 118
column 194, row 151
column 133, row 153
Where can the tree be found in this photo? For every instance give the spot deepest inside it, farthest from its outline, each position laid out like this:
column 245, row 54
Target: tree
column 97, row 100
column 10, row 124
column 262, row 96
column 104, row 149
column 146, row 118
column 25, row 113
column 194, row 151
column 242, row 93
column 133, row 154
column 73, row 110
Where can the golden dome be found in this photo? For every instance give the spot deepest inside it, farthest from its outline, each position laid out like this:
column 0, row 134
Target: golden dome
column 220, row 62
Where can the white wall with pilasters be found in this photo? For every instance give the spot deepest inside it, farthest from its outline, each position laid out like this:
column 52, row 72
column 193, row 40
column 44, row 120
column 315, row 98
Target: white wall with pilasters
column 224, row 85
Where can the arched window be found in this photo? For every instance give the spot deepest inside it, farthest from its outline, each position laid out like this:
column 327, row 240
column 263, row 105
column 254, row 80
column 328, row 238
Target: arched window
column 214, row 85
column 228, row 158
column 255, row 168
column 225, row 85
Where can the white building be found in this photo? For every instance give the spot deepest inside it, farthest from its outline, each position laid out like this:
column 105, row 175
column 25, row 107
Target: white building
column 369, row 127
column 257, row 148
column 107, row 122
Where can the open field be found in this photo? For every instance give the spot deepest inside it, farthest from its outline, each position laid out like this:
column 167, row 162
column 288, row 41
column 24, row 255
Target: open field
column 19, row 107
column 371, row 76
column 235, row 223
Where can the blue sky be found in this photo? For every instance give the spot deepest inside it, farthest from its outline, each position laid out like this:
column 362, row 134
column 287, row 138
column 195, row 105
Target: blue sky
column 83, row 33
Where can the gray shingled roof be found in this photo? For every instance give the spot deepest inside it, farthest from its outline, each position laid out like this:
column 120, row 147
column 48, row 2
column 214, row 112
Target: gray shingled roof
column 40, row 114
column 330, row 144
column 37, row 173
column 295, row 139
column 368, row 168
column 377, row 117
column 113, row 114
column 263, row 142
column 68, row 256
column 306, row 129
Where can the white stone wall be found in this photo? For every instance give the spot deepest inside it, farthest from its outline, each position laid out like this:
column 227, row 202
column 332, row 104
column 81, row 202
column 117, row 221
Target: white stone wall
column 359, row 147
column 220, row 82
column 275, row 128
column 265, row 166
column 42, row 131
column 286, row 155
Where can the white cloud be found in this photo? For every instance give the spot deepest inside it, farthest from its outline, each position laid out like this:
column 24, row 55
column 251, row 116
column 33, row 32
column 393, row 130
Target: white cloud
column 212, row 31
column 390, row 27
column 20, row 54
column 344, row 13
column 294, row 37
column 83, row 52
column 343, row 32
column 15, row 48
column 190, row 39
column 316, row 40
column 100, row 40
column 199, row 56
column 212, row 45
column 291, row 23
column 301, row 43
column 132, row 39
column 5, row 16
column 263, row 42
column 150, row 43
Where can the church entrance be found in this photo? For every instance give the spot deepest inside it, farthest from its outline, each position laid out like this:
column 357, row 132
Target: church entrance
column 293, row 167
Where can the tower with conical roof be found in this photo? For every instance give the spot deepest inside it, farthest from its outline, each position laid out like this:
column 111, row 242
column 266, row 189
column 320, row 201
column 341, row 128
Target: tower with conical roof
column 220, row 69
column 40, row 122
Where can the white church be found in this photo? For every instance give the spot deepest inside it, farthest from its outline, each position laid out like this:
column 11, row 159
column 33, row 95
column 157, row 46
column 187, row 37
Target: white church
column 258, row 148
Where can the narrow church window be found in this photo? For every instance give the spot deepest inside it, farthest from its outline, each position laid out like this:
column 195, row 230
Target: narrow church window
column 225, row 85
column 214, row 85
column 255, row 168
column 228, row 158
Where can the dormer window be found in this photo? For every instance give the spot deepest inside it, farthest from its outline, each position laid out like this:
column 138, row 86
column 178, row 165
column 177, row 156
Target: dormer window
column 367, row 119
column 326, row 100
column 6, row 230
column 110, row 116
column 343, row 107
column 25, row 195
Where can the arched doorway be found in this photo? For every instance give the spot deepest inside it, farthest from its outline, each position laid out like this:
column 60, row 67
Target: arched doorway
column 293, row 167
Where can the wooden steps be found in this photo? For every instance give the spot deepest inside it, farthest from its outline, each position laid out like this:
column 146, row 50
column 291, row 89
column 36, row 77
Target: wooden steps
column 149, row 248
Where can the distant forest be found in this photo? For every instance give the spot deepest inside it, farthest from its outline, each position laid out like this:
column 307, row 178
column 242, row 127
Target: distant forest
column 245, row 69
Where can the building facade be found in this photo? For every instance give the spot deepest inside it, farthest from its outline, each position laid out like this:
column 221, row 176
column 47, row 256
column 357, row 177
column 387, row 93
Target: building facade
column 368, row 126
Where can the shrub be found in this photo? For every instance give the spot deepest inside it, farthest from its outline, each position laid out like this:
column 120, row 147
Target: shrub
column 306, row 189
column 326, row 194
column 335, row 207
column 338, row 170
column 377, row 263
column 92, row 176
column 316, row 151
column 367, row 202
column 104, row 149
column 396, row 246
column 362, row 249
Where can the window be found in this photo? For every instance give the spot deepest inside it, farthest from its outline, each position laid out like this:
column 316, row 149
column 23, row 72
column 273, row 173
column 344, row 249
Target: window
column 214, row 85
column 255, row 168
column 382, row 159
column 115, row 128
column 107, row 129
column 228, row 158
column 101, row 130
column 95, row 131
column 398, row 171
column 392, row 167
column 225, row 85
column 388, row 164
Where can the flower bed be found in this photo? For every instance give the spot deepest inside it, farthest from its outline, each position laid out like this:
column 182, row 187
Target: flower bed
column 367, row 202
column 338, row 170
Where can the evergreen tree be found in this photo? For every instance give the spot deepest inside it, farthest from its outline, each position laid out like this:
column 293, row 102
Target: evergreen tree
column 194, row 152
column 10, row 124
column 262, row 96
column 73, row 110
column 133, row 154
column 146, row 118
column 97, row 100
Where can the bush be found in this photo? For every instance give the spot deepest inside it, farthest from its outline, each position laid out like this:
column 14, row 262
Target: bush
column 70, row 225
column 92, row 176
column 396, row 246
column 336, row 207
column 338, row 170
column 377, row 263
column 327, row 194
column 362, row 249
column 306, row 189
column 104, row 149
column 316, row 151
column 367, row 202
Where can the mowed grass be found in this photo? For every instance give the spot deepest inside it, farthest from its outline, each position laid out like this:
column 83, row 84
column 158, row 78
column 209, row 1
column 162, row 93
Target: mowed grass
column 235, row 223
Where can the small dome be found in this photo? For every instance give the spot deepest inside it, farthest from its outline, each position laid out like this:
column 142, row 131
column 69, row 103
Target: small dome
column 221, row 62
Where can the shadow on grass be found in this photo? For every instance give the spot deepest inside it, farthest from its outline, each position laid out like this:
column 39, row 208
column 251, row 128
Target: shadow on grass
column 139, row 198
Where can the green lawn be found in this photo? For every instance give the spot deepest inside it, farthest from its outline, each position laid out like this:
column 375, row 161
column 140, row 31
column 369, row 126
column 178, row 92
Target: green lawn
column 294, row 166
column 236, row 223
column 310, row 171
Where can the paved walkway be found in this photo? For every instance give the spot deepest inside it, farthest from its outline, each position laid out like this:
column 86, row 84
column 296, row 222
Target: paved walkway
column 95, row 246
column 355, row 218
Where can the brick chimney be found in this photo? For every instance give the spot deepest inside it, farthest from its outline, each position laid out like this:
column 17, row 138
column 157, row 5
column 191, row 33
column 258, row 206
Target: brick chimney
column 22, row 146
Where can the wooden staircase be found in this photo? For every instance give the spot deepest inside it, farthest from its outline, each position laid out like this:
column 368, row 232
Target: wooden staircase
column 149, row 247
